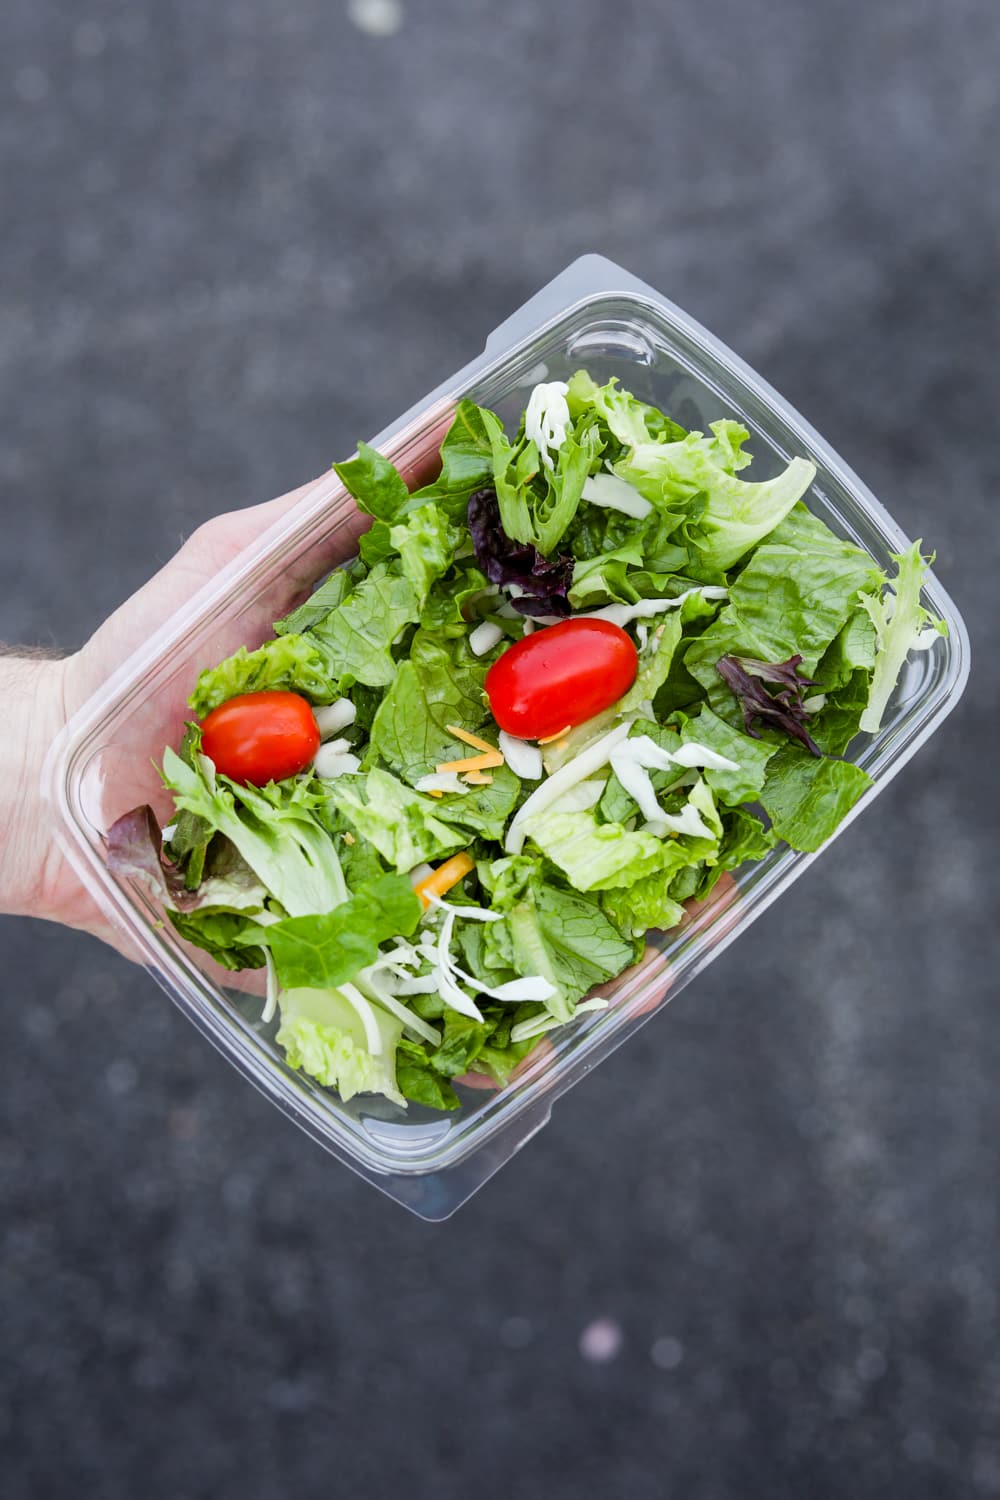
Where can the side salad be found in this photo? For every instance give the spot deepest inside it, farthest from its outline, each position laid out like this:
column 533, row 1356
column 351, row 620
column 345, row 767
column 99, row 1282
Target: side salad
column 560, row 691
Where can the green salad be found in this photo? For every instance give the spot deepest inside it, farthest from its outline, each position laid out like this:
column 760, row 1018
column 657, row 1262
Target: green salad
column 559, row 693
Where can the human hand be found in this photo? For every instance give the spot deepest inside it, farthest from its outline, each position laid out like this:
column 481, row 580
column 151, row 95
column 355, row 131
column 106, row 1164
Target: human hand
column 41, row 695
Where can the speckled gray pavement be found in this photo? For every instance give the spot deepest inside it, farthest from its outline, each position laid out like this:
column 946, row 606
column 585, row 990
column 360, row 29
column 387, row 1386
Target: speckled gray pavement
column 755, row 1256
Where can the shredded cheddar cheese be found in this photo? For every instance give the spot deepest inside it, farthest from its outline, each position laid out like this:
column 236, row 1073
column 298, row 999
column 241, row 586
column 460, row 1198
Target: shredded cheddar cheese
column 470, row 739
column 550, row 739
column 444, row 877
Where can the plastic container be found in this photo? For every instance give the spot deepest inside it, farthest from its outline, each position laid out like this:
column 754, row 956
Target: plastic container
column 593, row 315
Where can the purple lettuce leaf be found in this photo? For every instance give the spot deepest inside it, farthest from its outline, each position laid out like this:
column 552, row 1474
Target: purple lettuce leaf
column 745, row 677
column 135, row 852
column 542, row 583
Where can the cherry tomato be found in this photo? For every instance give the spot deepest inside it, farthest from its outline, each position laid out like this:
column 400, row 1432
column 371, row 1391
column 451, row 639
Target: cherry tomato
column 261, row 737
column 560, row 676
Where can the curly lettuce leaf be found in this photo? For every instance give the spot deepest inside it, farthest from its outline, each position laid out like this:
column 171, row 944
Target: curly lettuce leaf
column 628, row 420
column 322, row 1034
column 726, row 516
column 426, row 542
column 330, row 594
column 537, row 503
column 901, row 625
column 644, row 904
column 600, row 856
column 750, row 755
column 403, row 825
column 292, row 662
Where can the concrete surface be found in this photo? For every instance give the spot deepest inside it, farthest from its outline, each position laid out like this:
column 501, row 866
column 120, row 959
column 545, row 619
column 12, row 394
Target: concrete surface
column 756, row 1254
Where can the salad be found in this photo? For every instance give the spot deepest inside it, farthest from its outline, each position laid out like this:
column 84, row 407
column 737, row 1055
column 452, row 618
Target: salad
column 558, row 694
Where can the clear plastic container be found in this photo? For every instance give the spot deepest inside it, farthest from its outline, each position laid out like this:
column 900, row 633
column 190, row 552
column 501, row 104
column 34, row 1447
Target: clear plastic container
column 593, row 315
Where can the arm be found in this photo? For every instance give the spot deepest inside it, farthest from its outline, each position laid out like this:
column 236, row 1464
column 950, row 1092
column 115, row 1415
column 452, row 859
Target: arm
column 32, row 691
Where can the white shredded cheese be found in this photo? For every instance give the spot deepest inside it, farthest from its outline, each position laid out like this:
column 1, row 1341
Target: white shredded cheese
column 583, row 765
column 546, row 418
column 613, row 493
column 648, row 753
column 419, row 873
column 333, row 717
column 441, row 781
column 470, row 913
column 524, row 759
column 367, row 1016
column 636, row 780
column 537, row 1025
column 330, row 762
column 267, row 1014
column 448, row 989
column 375, row 979
column 688, row 823
column 643, row 609
column 529, row 626
column 485, row 636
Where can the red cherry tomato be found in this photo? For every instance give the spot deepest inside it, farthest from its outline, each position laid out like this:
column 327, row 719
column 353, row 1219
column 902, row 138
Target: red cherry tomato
column 560, row 676
column 261, row 737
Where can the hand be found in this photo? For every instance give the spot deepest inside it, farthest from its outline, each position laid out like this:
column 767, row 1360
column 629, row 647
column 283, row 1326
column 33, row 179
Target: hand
column 41, row 695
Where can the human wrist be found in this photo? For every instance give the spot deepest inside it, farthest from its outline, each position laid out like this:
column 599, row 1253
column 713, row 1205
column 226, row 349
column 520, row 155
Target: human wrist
column 33, row 692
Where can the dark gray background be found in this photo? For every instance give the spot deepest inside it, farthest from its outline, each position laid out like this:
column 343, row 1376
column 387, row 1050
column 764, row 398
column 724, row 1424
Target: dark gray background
column 235, row 238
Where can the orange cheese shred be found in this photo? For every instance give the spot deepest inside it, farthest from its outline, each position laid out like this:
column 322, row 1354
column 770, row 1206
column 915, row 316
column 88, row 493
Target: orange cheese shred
column 488, row 762
column 550, row 739
column 444, row 877
column 470, row 739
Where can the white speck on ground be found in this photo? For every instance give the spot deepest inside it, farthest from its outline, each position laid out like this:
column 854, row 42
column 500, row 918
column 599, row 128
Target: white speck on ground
column 601, row 1341
column 667, row 1353
column 376, row 17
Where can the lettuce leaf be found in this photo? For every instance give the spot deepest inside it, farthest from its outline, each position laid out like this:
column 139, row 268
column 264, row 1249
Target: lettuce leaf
column 654, row 663
column 322, row 1034
column 752, row 756
column 792, row 598
column 569, row 941
column 901, row 625
column 627, row 419
column 732, row 515
column 439, row 684
column 375, row 483
column 292, row 662
column 466, row 464
column 426, row 542
column 330, row 595
column 359, row 634
column 327, row 951
column 485, row 810
column 274, row 829
column 403, row 825
column 807, row 799
column 599, row 856
column 644, row 904
column 537, row 504
column 418, row 1079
